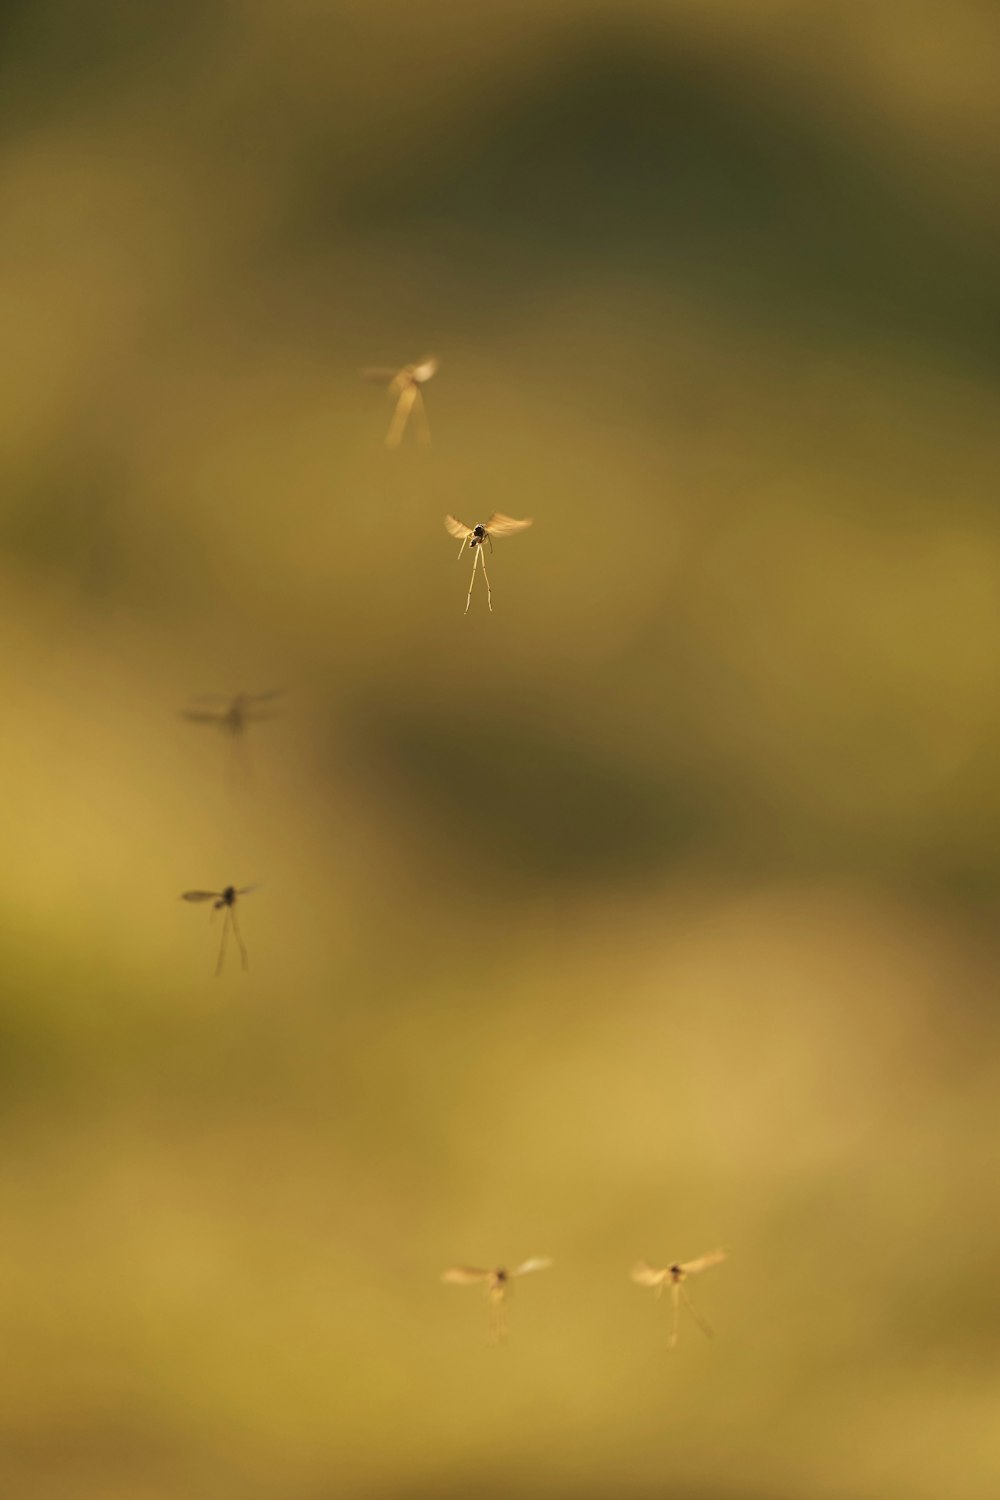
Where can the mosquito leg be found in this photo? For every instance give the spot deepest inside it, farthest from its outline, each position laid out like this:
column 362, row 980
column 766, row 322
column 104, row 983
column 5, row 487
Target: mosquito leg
column 498, row 1322
column 475, row 565
column 243, row 949
column 397, row 426
column 222, row 945
column 706, row 1330
column 420, row 417
column 675, row 1300
column 489, row 591
column 462, row 548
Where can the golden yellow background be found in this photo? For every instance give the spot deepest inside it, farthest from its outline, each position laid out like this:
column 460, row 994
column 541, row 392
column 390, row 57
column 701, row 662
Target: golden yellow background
column 653, row 912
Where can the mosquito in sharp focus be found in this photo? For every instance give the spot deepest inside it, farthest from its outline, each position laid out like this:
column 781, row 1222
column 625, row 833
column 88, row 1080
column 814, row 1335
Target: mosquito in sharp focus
column 497, row 1283
column 674, row 1276
column 225, row 901
column 475, row 537
column 405, row 385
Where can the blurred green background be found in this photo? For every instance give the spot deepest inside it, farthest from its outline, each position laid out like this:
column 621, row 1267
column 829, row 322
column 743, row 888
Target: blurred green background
column 653, row 912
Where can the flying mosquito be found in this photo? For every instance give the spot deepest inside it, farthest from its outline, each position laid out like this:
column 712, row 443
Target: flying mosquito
column 497, row 1283
column 675, row 1276
column 224, row 900
column 475, row 536
column 231, row 715
column 405, row 385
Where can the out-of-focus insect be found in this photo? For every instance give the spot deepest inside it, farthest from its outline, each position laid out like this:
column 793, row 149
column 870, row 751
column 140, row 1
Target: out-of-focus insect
column 497, row 1283
column 231, row 715
column 405, row 385
column 674, row 1276
column 225, row 901
column 476, row 537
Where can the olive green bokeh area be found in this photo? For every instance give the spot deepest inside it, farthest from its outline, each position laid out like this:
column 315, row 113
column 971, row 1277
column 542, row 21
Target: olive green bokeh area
column 653, row 912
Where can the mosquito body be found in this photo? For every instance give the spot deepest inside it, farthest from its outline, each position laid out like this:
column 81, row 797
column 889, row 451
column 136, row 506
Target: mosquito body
column 497, row 1284
column 675, row 1276
column 225, row 901
column 232, row 715
column 479, row 536
column 405, row 385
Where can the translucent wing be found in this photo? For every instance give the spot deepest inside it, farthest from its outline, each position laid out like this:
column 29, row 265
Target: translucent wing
column 457, row 528
column 425, row 369
column 267, row 697
column 647, row 1275
column 200, row 895
column 500, row 525
column 197, row 716
column 536, row 1263
column 244, row 890
column 703, row 1263
column 464, row 1275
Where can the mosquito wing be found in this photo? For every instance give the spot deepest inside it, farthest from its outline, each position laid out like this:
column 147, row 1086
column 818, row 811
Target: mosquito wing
column 200, row 716
column 200, row 895
column 245, row 890
column 464, row 1275
column 703, row 1263
column 267, row 697
column 457, row 528
column 647, row 1275
column 500, row 525
column 425, row 369
column 536, row 1263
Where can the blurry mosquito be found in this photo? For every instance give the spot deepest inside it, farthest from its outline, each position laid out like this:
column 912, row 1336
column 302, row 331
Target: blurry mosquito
column 475, row 536
column 231, row 715
column 405, row 385
column 225, row 901
column 674, row 1277
column 497, row 1283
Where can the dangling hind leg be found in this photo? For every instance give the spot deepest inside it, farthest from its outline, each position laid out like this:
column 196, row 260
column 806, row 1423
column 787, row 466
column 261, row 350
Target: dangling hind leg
column 222, row 945
column 489, row 591
column 475, row 565
column 239, row 938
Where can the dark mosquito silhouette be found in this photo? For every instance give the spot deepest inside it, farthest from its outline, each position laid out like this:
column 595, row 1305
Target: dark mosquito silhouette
column 497, row 1283
column 405, row 385
column 231, row 715
column 475, row 537
column 674, row 1276
column 225, row 901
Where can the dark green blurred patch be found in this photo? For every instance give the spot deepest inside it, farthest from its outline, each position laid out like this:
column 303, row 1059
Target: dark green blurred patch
column 676, row 164
column 533, row 795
